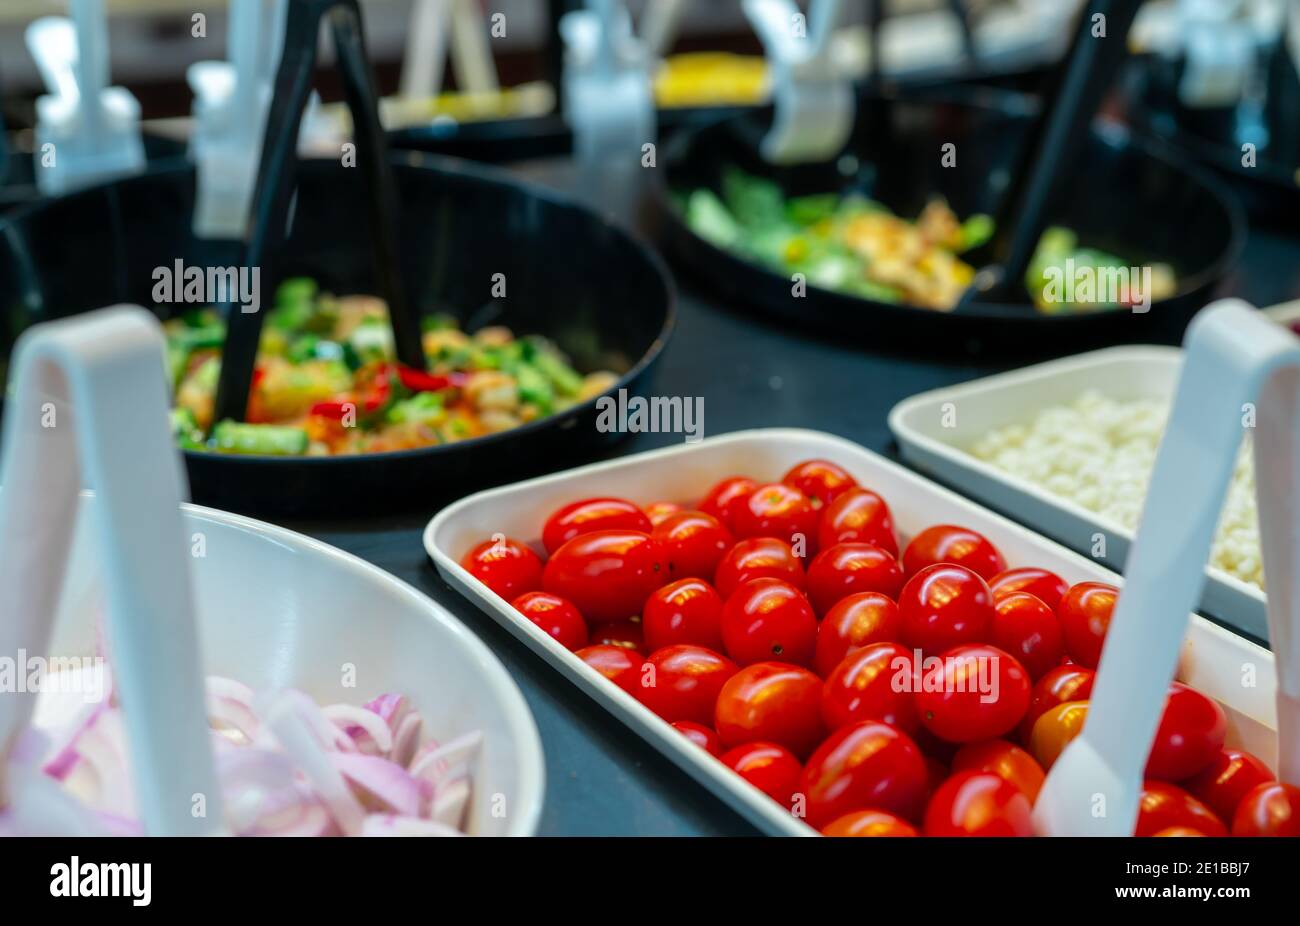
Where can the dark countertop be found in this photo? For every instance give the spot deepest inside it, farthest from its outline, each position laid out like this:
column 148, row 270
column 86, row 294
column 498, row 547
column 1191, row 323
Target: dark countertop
column 601, row 778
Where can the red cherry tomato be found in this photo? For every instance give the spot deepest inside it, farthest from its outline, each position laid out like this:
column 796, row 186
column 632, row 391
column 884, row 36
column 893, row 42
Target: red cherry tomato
column 1269, row 809
column 726, row 498
column 700, row 735
column 1189, row 737
column 846, row 568
column 981, row 693
column 778, row 510
column 1055, row 730
column 854, row 622
column 978, row 804
column 872, row 683
column 1224, row 782
column 628, row 634
column 1046, row 586
column 556, row 616
column 769, row 619
column 771, row 702
column 506, row 566
column 658, row 511
column 694, row 543
column 688, row 611
column 944, row 606
column 960, row 546
column 820, row 480
column 1006, row 760
column 682, row 682
column 1084, row 613
column 607, row 574
column 865, row 766
column 1058, row 686
column 757, row 558
column 1027, row 629
column 1177, row 831
column 1163, row 805
column 621, row 666
column 869, row 823
column 771, row 768
column 592, row 514
column 857, row 515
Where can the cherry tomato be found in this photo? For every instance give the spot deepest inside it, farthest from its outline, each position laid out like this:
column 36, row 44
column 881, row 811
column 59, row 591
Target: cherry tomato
column 1189, row 737
column 820, row 480
column 839, row 571
column 1224, row 782
column 1176, row 831
column 1059, row 685
column 592, row 514
column 628, row 634
column 959, row 546
column 854, row 622
column 982, row 693
column 857, row 515
column 1054, row 730
column 778, row 510
column 757, row 558
column 771, row 768
column 658, row 511
column 506, row 566
column 869, row 823
column 979, row 804
column 1269, row 809
column 700, row 735
column 1006, row 760
column 726, row 498
column 1084, row 613
column 865, row 766
column 1046, row 586
column 682, row 682
column 687, row 611
column 556, row 616
column 771, row 702
column 944, row 606
column 1163, row 805
column 621, row 666
column 769, row 619
column 1027, row 629
column 607, row 574
column 694, row 543
column 866, row 686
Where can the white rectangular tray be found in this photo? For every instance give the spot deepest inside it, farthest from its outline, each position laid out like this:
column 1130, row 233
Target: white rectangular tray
column 1212, row 660
column 980, row 406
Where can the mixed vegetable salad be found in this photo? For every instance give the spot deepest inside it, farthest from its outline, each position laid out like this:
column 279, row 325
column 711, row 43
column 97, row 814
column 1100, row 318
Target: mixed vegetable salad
column 855, row 245
column 326, row 381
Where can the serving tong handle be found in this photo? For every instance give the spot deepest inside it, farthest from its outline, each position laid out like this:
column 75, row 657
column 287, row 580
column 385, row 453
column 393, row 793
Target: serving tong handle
column 1056, row 141
column 90, row 397
column 274, row 192
column 1238, row 364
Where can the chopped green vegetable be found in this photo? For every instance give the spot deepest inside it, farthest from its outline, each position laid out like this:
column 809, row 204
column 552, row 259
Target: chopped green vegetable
column 259, row 439
column 562, row 376
column 185, row 430
column 535, row 387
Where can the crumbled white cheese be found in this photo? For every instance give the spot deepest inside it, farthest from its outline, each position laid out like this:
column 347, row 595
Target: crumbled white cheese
column 1098, row 453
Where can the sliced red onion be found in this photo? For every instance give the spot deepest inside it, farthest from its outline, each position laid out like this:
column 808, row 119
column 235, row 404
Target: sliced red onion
column 367, row 730
column 230, row 709
column 435, row 763
column 381, row 786
column 406, row 739
column 450, row 802
column 384, row 824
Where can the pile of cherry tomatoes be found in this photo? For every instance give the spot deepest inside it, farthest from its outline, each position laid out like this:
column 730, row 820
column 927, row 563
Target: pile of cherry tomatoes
column 777, row 626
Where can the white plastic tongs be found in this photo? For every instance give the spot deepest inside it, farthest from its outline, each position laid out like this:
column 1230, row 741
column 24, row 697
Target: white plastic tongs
column 231, row 100
column 1240, row 369
column 89, row 398
column 86, row 131
column 813, row 101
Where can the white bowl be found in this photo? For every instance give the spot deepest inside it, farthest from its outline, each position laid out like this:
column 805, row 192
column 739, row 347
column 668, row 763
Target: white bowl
column 277, row 609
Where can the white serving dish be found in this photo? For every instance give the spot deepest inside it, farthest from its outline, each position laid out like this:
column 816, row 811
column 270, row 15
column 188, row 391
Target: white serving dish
column 1121, row 373
column 1212, row 660
column 277, row 609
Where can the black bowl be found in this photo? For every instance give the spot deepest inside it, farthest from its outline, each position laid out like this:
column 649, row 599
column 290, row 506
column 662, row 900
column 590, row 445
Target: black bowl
column 570, row 275
column 1129, row 200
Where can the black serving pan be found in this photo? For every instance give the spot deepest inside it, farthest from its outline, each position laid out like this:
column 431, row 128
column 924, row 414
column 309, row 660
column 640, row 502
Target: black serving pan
column 1128, row 198
column 571, row 275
